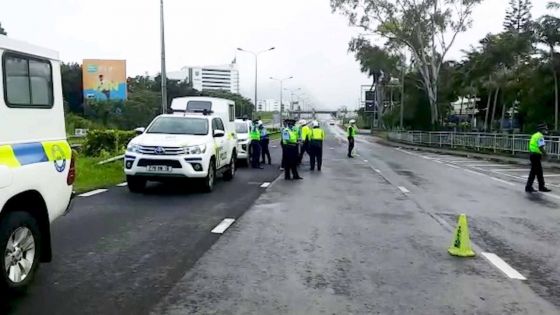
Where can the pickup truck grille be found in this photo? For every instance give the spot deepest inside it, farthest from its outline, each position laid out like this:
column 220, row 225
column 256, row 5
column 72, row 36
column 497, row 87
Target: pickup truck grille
column 154, row 150
column 172, row 163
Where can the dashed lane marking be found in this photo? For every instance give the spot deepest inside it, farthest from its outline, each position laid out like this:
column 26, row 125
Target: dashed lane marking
column 122, row 184
column 503, row 266
column 93, row 192
column 510, row 170
column 404, row 190
column 265, row 185
column 366, row 161
column 223, row 226
column 453, row 166
column 490, row 177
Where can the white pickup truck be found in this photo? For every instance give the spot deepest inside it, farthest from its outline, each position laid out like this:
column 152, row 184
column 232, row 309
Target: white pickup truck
column 197, row 141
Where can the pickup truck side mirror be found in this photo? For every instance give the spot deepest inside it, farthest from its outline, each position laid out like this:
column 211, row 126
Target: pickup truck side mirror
column 140, row 130
column 219, row 133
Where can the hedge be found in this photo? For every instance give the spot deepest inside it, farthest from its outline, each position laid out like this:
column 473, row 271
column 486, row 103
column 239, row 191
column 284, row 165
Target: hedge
column 101, row 142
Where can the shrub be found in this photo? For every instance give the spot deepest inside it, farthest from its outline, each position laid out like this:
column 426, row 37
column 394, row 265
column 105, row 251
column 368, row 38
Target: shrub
column 112, row 141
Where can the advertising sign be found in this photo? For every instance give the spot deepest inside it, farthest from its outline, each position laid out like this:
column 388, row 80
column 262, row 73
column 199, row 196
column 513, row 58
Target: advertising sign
column 104, row 79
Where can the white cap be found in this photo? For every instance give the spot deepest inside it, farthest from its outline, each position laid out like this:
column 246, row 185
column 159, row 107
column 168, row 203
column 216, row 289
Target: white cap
column 260, row 122
column 315, row 123
column 352, row 121
column 303, row 122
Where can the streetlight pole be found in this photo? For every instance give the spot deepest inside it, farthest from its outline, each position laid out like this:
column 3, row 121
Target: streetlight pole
column 281, row 90
column 256, row 55
column 163, row 71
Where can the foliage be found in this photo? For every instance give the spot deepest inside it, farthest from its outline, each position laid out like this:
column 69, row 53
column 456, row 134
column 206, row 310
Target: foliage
column 518, row 16
column 100, row 142
column 90, row 175
column 74, row 121
column 72, row 86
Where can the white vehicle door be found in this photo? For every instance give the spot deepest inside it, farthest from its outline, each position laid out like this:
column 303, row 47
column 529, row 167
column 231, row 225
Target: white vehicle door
column 220, row 143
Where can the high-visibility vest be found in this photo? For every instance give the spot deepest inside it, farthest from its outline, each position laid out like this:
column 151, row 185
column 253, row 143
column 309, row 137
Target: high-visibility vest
column 255, row 134
column 317, row 134
column 289, row 136
column 534, row 143
column 351, row 131
column 305, row 130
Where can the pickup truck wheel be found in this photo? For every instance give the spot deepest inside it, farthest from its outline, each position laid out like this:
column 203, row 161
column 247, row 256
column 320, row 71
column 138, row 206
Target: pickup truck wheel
column 135, row 184
column 20, row 241
column 208, row 185
column 229, row 174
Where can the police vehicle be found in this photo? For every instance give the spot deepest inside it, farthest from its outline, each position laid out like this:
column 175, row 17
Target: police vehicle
column 36, row 162
column 198, row 141
column 242, row 127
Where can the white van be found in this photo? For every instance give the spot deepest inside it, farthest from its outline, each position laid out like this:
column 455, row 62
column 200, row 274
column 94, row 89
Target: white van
column 192, row 143
column 36, row 162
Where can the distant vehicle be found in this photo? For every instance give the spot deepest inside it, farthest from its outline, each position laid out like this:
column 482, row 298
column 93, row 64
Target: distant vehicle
column 242, row 127
column 198, row 141
column 36, row 163
column 332, row 122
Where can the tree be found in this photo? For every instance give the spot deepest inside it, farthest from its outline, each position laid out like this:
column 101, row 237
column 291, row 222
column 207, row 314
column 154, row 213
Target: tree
column 243, row 105
column 2, row 30
column 72, row 85
column 427, row 28
column 518, row 16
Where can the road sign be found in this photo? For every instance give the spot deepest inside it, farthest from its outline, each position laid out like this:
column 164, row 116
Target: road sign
column 370, row 101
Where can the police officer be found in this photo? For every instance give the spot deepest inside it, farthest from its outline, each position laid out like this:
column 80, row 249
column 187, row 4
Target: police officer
column 352, row 130
column 536, row 152
column 304, row 137
column 290, row 152
column 255, row 136
column 316, row 137
column 264, row 143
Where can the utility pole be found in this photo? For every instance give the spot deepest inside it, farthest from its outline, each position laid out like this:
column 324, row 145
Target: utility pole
column 163, row 71
column 256, row 55
column 402, row 97
column 281, row 88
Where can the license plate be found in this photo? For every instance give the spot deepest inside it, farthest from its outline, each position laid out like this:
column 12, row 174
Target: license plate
column 159, row 168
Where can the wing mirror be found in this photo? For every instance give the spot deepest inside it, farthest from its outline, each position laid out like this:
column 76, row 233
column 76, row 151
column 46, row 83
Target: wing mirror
column 219, row 133
column 140, row 130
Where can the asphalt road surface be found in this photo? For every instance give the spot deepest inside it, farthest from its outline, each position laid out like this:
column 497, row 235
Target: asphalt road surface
column 367, row 235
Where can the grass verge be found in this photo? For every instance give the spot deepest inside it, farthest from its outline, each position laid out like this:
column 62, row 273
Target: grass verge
column 90, row 176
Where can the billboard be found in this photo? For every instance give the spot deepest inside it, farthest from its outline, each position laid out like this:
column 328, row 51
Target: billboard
column 104, row 79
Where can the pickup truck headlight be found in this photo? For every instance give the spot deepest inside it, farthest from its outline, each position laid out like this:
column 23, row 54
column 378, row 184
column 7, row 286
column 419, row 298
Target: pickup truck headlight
column 132, row 148
column 196, row 149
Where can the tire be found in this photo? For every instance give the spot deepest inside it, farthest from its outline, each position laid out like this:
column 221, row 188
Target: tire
column 210, row 179
column 229, row 174
column 136, row 184
column 20, row 257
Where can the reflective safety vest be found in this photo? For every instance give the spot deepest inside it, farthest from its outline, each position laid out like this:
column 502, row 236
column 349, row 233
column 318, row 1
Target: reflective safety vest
column 305, row 132
column 289, row 136
column 255, row 134
column 537, row 140
column 317, row 134
column 351, row 131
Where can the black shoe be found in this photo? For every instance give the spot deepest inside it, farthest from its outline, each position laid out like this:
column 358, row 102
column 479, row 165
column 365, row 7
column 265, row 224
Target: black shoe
column 312, row 169
column 318, row 169
column 544, row 189
column 260, row 167
column 298, row 178
column 529, row 189
column 350, row 156
column 287, row 178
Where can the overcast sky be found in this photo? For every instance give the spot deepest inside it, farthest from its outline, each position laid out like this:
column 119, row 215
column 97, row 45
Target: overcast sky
column 311, row 42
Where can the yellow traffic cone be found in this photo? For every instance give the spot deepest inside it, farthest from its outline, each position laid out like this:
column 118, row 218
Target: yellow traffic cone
column 461, row 245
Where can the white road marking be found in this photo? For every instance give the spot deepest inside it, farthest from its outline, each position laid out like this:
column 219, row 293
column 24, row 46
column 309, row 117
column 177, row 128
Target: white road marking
column 331, row 148
column 503, row 266
column 510, row 170
column 486, row 165
column 223, row 226
column 265, row 184
column 93, row 192
column 453, row 166
column 438, row 161
column 274, row 146
column 366, row 161
column 404, row 190
column 490, row 177
column 123, row 184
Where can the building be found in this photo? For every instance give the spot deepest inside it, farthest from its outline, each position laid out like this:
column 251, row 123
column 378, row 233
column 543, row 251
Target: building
column 269, row 105
column 210, row 77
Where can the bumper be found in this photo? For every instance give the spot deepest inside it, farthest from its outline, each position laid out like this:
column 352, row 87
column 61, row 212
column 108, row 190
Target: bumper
column 243, row 150
column 70, row 206
column 181, row 166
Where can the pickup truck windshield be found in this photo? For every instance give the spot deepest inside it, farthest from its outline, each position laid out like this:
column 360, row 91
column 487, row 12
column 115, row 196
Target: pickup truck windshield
column 241, row 128
column 180, row 126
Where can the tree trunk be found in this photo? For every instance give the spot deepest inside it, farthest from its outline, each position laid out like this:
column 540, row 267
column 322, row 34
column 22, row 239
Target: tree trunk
column 473, row 119
column 487, row 110
column 494, row 108
column 503, row 114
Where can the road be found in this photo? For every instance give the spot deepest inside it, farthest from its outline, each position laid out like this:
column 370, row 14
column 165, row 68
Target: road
column 367, row 235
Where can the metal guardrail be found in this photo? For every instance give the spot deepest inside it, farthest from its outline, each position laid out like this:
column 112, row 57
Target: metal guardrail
column 514, row 144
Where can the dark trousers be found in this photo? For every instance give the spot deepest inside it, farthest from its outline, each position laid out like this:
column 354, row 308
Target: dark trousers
column 304, row 148
column 283, row 163
column 264, row 150
column 290, row 161
column 316, row 154
column 255, row 154
column 536, row 170
column 350, row 145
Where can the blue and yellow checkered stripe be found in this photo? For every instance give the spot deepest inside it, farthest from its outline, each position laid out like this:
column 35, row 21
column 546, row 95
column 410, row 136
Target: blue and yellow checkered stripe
column 21, row 154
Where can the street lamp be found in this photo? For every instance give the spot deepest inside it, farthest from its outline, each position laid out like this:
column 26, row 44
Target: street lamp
column 292, row 96
column 256, row 54
column 281, row 88
column 163, row 71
